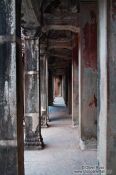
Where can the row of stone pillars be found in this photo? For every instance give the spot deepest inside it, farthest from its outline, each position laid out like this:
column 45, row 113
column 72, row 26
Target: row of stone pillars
column 11, row 88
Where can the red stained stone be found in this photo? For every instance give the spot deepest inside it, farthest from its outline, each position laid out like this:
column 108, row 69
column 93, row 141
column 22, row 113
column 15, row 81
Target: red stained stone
column 75, row 50
column 90, row 41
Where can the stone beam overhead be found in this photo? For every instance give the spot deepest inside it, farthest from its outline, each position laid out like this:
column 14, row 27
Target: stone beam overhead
column 71, row 28
column 64, row 57
column 58, row 71
column 59, row 47
column 60, row 54
column 57, row 61
column 54, row 67
column 59, row 35
column 54, row 44
column 63, row 41
column 65, row 52
column 58, row 64
column 64, row 19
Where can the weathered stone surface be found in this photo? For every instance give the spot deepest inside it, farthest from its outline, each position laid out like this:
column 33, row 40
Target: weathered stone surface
column 88, row 26
column 50, row 89
column 33, row 138
column 8, row 91
column 64, row 88
column 8, row 165
column 75, row 82
column 70, row 89
column 31, row 56
column 29, row 18
column 31, row 93
column 10, row 100
column 44, row 108
column 112, row 87
column 107, row 86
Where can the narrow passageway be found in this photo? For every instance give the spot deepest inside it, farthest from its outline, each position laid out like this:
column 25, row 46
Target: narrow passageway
column 61, row 155
column 58, row 87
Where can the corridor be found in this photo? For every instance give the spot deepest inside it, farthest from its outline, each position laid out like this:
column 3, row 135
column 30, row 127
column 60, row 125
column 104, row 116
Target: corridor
column 61, row 155
column 55, row 51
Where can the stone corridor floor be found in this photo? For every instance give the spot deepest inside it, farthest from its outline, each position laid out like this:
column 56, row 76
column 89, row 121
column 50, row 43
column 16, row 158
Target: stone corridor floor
column 61, row 155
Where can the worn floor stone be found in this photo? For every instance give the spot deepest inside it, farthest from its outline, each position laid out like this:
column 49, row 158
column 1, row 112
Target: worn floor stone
column 61, row 155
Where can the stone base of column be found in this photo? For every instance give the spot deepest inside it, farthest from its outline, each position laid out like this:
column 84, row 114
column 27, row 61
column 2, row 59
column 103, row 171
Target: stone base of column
column 75, row 123
column 90, row 144
column 44, row 120
column 44, row 125
column 34, row 142
column 48, row 119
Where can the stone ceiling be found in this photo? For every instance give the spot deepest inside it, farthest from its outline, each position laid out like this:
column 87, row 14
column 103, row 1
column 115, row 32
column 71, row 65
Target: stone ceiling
column 59, row 21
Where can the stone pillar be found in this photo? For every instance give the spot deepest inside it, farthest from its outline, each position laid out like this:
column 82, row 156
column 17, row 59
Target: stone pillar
column 70, row 90
column 75, row 83
column 107, row 86
column 50, row 89
column 60, row 85
column 47, row 88
column 44, row 104
column 33, row 138
column 64, row 87
column 11, row 91
column 88, row 80
column 54, row 82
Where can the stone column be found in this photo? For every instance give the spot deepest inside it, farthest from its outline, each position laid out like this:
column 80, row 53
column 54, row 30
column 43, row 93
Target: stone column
column 64, row 86
column 88, row 80
column 54, row 80
column 47, row 88
column 44, row 104
column 33, row 138
column 50, row 89
column 11, row 91
column 107, row 86
column 75, row 83
column 70, row 90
